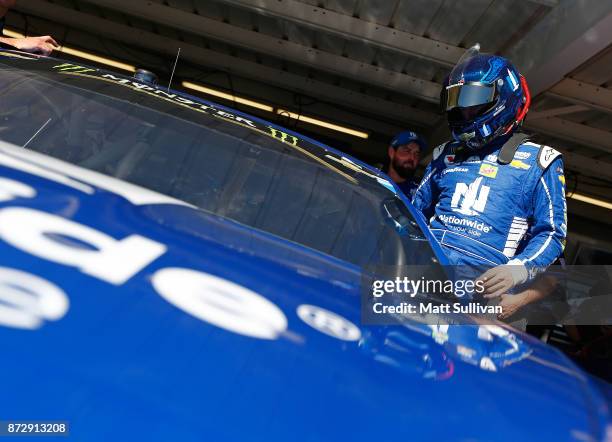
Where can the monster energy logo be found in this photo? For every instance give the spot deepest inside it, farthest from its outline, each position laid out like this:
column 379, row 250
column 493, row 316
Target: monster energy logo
column 73, row 68
column 282, row 136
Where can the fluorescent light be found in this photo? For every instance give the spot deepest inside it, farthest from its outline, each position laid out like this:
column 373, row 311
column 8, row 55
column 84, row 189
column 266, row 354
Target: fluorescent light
column 12, row 34
column 590, row 200
column 321, row 123
column 226, row 96
column 96, row 58
column 81, row 54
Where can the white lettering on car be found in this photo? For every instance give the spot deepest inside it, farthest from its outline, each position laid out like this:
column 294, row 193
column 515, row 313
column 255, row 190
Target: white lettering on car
column 91, row 251
column 117, row 79
column 26, row 300
column 328, row 322
column 220, row 302
column 11, row 189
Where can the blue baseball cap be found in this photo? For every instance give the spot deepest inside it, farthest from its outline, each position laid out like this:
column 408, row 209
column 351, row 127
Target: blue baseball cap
column 408, row 137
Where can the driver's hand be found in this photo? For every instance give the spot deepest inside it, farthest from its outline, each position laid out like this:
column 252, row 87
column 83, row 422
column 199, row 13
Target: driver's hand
column 36, row 45
column 501, row 279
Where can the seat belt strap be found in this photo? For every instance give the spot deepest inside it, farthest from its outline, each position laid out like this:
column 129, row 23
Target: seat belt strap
column 507, row 151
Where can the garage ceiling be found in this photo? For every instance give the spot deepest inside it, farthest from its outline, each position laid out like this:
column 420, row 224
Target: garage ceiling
column 372, row 65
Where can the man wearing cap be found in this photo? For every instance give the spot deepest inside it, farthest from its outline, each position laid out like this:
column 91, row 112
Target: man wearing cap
column 404, row 155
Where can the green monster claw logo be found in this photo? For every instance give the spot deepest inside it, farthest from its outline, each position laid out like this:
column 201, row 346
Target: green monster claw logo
column 73, row 68
column 282, row 136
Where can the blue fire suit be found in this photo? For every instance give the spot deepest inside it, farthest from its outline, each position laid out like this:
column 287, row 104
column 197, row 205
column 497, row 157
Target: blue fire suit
column 480, row 210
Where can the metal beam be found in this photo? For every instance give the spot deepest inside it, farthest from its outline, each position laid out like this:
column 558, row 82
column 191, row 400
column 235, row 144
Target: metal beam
column 581, row 93
column 570, row 34
column 282, row 49
column 354, row 28
column 556, row 112
column 586, row 166
column 205, row 57
column 578, row 133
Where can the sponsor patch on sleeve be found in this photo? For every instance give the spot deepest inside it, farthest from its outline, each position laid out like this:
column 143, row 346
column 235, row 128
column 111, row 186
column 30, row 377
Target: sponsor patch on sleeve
column 518, row 164
column 562, row 179
column 546, row 156
column 522, row 155
column 488, row 170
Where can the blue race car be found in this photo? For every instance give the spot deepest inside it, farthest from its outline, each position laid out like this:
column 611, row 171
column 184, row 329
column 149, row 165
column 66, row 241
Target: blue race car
column 172, row 269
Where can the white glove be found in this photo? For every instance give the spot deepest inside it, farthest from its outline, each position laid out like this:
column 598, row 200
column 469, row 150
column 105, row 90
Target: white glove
column 499, row 280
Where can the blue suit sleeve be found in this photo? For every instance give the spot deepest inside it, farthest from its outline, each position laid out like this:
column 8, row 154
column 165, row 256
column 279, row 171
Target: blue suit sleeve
column 549, row 226
column 426, row 195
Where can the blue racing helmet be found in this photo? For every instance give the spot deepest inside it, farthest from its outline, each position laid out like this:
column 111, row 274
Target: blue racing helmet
column 408, row 137
column 484, row 97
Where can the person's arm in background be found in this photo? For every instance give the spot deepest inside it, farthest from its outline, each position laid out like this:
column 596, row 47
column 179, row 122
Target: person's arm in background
column 540, row 289
column 36, row 45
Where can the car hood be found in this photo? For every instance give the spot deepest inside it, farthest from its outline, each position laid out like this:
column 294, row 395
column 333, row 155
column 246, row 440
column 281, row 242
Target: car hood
column 226, row 333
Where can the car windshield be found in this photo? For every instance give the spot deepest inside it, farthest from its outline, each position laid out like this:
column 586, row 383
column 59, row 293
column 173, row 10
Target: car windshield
column 221, row 162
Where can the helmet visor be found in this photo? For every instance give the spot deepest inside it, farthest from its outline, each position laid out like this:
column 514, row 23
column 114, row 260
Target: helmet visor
column 468, row 95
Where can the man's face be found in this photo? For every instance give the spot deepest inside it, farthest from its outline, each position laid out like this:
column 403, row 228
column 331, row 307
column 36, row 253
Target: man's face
column 405, row 159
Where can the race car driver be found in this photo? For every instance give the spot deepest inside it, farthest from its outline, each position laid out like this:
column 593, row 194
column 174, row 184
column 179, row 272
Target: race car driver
column 487, row 187
column 36, row 45
column 404, row 153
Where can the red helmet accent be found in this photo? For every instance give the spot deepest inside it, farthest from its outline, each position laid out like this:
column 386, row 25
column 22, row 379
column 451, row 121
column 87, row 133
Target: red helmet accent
column 520, row 115
column 522, row 111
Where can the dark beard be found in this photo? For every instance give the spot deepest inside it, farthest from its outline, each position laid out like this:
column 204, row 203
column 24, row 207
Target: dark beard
column 404, row 172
